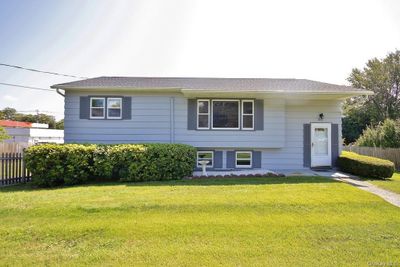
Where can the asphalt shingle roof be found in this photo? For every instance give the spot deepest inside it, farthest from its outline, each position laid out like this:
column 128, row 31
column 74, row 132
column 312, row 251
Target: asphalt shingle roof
column 213, row 84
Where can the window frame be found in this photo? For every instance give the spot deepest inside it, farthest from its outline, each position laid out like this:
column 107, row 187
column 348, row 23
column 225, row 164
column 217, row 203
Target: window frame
column 120, row 108
column 91, row 107
column 243, row 114
column 212, row 158
column 243, row 166
column 212, row 113
column 203, row 114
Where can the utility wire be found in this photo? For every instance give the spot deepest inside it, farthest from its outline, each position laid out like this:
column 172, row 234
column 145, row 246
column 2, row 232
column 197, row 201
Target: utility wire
column 28, row 87
column 41, row 71
column 39, row 111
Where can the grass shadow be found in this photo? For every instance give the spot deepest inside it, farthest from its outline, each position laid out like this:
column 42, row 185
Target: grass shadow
column 186, row 182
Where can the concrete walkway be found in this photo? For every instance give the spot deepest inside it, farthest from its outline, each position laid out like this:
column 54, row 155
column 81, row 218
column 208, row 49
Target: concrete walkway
column 389, row 196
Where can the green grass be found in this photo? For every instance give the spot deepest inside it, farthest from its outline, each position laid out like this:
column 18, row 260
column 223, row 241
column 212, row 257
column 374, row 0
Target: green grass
column 236, row 222
column 392, row 184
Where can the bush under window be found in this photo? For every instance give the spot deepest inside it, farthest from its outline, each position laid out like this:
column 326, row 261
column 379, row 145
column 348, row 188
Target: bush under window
column 52, row 165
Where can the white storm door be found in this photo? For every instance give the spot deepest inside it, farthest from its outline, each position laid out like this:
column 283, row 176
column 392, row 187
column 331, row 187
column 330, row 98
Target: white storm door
column 320, row 144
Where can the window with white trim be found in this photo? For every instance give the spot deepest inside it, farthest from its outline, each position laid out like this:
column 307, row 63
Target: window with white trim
column 244, row 159
column 97, row 107
column 248, row 114
column 203, row 114
column 205, row 155
column 225, row 114
column 114, row 108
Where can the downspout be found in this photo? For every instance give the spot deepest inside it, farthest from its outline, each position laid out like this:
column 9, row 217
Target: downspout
column 58, row 92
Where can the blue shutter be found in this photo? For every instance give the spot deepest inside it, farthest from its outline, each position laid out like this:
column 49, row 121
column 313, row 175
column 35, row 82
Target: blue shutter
column 127, row 108
column 307, row 145
column 84, row 107
column 334, row 143
column 256, row 159
column 259, row 114
column 218, row 159
column 230, row 159
column 192, row 114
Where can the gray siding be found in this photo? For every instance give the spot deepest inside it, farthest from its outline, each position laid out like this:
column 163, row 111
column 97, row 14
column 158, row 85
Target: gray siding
column 291, row 156
column 271, row 136
column 163, row 118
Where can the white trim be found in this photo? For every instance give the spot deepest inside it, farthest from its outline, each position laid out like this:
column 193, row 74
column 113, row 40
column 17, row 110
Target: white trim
column 108, row 108
column 203, row 114
column 212, row 115
column 212, row 158
column 252, row 114
column 323, row 161
column 104, row 107
column 244, row 166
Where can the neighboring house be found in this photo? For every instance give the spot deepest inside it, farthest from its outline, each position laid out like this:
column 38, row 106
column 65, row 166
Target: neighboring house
column 235, row 123
column 31, row 133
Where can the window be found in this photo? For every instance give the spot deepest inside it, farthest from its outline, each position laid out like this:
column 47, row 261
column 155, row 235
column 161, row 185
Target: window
column 203, row 114
column 243, row 159
column 97, row 107
column 114, row 108
column 205, row 155
column 225, row 114
column 247, row 114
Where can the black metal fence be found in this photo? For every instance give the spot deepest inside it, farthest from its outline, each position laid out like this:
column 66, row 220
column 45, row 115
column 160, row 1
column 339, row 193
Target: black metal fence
column 12, row 169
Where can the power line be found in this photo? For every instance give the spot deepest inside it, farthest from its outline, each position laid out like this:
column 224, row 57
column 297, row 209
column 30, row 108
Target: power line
column 39, row 111
column 28, row 87
column 41, row 71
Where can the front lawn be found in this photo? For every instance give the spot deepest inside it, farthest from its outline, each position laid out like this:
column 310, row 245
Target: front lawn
column 237, row 222
column 392, row 184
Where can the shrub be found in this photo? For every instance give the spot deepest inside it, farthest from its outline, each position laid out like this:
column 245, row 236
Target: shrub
column 383, row 135
column 53, row 165
column 365, row 166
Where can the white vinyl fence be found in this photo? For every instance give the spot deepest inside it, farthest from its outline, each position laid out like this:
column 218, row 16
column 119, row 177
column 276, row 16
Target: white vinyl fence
column 392, row 154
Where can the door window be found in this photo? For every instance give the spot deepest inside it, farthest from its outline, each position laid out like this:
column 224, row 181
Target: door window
column 321, row 141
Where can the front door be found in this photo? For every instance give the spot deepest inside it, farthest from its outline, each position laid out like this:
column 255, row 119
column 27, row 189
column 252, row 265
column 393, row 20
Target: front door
column 320, row 144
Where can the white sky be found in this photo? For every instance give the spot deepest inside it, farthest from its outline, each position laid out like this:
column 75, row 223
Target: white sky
column 318, row 40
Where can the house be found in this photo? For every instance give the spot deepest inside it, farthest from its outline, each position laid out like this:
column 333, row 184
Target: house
column 234, row 123
column 31, row 133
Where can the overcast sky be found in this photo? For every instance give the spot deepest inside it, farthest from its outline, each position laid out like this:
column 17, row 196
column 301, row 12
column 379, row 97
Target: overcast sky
column 318, row 40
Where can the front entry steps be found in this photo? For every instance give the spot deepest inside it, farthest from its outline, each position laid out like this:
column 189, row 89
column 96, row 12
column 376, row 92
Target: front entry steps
column 322, row 168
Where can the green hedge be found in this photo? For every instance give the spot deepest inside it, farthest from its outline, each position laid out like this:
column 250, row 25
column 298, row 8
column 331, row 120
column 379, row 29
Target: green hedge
column 365, row 166
column 52, row 165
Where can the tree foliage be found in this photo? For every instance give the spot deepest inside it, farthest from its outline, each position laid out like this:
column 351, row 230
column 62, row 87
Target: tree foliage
column 385, row 135
column 3, row 134
column 12, row 114
column 382, row 76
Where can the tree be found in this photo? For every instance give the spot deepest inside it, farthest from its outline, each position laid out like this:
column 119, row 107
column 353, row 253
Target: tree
column 382, row 76
column 8, row 114
column 60, row 124
column 385, row 135
column 12, row 114
column 3, row 134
